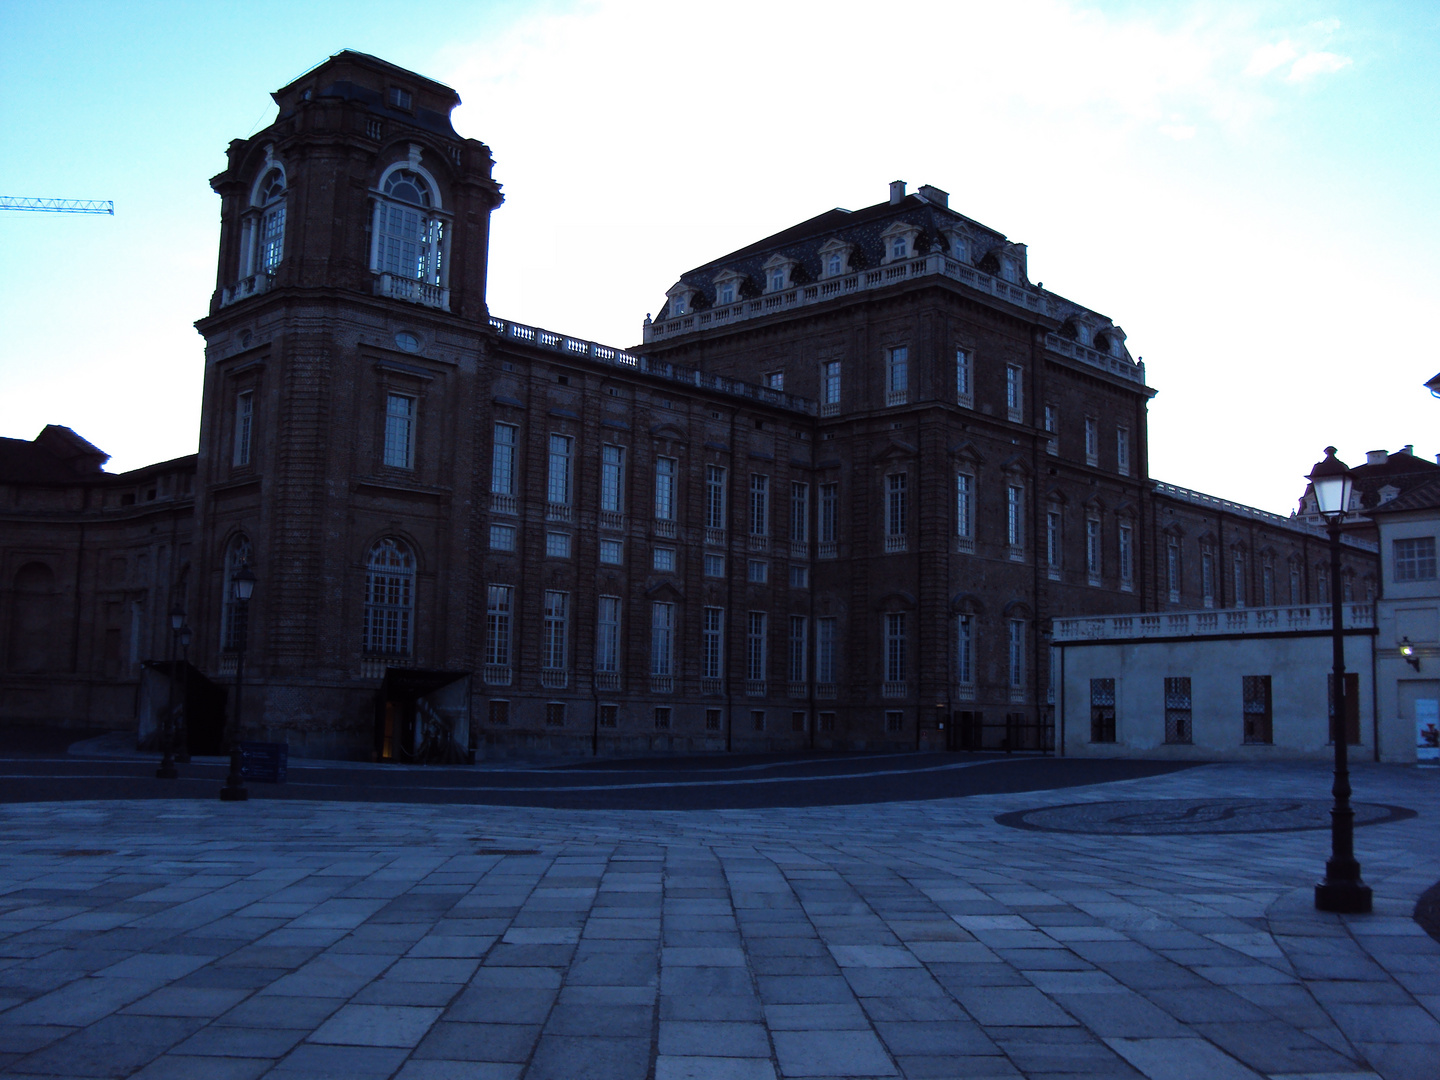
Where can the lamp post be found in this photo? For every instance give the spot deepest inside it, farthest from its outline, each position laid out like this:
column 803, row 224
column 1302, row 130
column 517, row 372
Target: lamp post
column 1342, row 890
column 184, row 635
column 242, row 586
column 167, row 771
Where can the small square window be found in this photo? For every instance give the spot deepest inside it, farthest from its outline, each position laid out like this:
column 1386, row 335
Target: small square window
column 399, row 99
column 499, row 712
column 714, row 565
column 894, row 721
column 757, row 718
column 797, row 721
column 502, row 538
column 612, row 552
column 827, row 721
column 799, row 577
column 775, row 380
column 664, row 558
column 712, row 719
column 557, row 545
column 555, row 713
column 759, row 571
column 662, row 719
column 609, row 715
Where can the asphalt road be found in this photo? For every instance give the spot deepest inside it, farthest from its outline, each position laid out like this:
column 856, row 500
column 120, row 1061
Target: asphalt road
column 699, row 783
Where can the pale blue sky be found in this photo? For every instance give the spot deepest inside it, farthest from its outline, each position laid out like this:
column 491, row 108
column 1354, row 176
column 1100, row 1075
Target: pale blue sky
column 1249, row 189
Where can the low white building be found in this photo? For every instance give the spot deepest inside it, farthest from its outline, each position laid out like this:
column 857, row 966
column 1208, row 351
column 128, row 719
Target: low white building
column 1408, row 614
column 1249, row 684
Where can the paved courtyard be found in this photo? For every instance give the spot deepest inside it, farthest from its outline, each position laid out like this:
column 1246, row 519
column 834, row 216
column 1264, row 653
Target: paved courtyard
column 191, row 940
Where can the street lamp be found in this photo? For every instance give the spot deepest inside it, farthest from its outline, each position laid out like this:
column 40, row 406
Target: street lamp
column 242, row 586
column 167, row 771
column 184, row 635
column 1342, row 890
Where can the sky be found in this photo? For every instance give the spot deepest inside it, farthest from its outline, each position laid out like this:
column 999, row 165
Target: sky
column 1248, row 189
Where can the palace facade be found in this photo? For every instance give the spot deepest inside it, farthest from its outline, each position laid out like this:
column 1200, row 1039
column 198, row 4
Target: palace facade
column 835, row 498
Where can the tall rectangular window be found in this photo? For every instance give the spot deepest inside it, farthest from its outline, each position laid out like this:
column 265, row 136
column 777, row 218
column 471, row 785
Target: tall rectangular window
column 1092, row 548
column 1017, row 654
column 665, row 470
column 830, row 383
column 1172, row 569
column 1297, row 595
column 714, row 564
column 1014, row 391
column 1015, row 515
column 1207, row 577
column 799, row 513
column 558, row 487
column 1267, row 584
column 1238, row 576
column 825, row 650
column 965, row 506
column 1177, row 709
column 714, row 497
column 799, row 647
column 607, row 634
column 963, row 392
column 557, row 618
column 399, row 431
column 1127, row 555
column 713, row 644
column 829, row 507
column 612, row 478
column 1052, row 539
column 759, row 505
column 897, row 376
column 1255, row 693
column 244, row 423
column 1052, row 427
column 1122, row 451
column 502, row 460
column 1092, row 441
column 1102, row 710
column 755, row 645
column 498, row 624
column 895, row 508
column 965, row 650
column 662, row 639
column 1415, row 559
column 895, row 647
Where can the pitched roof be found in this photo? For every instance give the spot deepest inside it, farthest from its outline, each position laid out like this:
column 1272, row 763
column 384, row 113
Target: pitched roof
column 1424, row 497
column 56, row 456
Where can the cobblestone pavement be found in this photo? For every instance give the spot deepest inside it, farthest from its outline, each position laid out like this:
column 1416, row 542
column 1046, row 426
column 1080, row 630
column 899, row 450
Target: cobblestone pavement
column 290, row 939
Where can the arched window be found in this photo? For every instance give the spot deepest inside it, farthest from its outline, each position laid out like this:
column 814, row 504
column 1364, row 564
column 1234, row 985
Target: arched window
column 389, row 599
column 231, row 630
column 409, row 238
column 270, row 238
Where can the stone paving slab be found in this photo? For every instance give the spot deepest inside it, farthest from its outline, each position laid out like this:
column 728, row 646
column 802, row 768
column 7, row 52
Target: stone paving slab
column 165, row 940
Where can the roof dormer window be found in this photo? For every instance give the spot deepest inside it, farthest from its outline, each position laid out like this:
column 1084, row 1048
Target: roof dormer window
column 834, row 259
column 727, row 287
column 779, row 270
column 680, row 297
column 899, row 240
column 725, row 294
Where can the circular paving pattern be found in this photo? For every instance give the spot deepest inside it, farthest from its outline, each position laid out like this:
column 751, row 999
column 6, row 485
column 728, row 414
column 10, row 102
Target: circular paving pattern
column 1160, row 817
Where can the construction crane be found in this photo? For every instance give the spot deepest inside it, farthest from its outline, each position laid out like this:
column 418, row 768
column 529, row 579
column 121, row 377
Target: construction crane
column 58, row 206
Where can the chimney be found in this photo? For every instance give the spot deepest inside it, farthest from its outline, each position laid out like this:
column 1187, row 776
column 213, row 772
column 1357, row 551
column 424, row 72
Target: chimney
column 1408, row 448
column 934, row 196
column 897, row 191
column 1376, row 457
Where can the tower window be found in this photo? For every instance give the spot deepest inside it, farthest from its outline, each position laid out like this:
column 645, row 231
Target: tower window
column 398, row 99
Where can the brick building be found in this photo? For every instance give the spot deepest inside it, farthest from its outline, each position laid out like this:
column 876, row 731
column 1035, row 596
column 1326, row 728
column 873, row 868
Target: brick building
column 834, row 498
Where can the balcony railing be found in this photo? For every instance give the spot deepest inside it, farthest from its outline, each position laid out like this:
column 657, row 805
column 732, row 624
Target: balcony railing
column 825, row 690
column 894, row 689
column 1227, row 621
column 754, row 687
column 828, row 549
column 758, row 543
column 245, row 288
column 711, row 687
column 664, row 529
column 373, row 667
column 553, row 679
column 662, row 684
column 895, row 543
column 965, row 692
column 612, row 520
column 896, row 397
column 607, row 680
column 497, row 675
column 558, row 512
column 1199, row 498
column 965, row 544
column 797, row 690
column 416, row 292
column 829, row 408
column 576, row 348
column 714, row 537
column 504, row 504
column 799, row 549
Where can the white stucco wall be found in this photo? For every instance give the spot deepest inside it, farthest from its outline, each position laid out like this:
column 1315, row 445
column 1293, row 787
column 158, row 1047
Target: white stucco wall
column 1298, row 668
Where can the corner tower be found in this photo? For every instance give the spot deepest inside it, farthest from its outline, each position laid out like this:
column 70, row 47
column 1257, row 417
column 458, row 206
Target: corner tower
column 344, row 345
